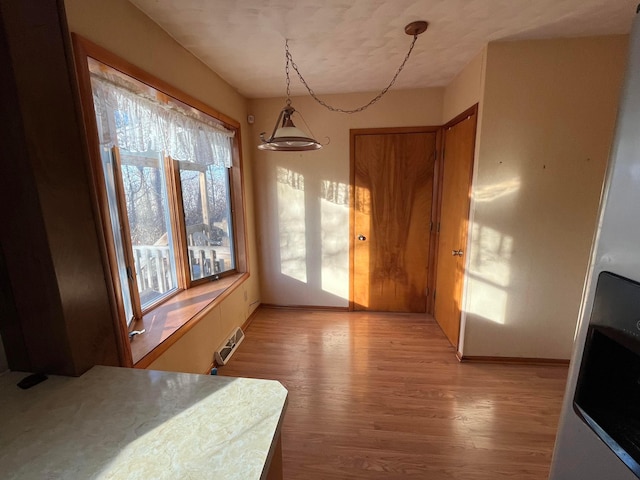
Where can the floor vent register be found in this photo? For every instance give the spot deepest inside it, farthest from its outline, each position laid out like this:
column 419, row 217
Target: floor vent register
column 223, row 354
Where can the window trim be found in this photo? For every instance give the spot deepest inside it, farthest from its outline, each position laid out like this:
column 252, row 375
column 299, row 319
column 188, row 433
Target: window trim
column 84, row 49
column 126, row 232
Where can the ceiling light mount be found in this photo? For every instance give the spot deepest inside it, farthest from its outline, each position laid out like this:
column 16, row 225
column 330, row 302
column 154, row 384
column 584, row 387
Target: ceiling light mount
column 416, row 28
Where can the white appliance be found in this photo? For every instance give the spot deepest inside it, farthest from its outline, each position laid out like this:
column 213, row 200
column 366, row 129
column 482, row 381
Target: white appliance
column 599, row 432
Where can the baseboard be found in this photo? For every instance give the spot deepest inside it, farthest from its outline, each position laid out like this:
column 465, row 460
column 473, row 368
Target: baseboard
column 305, row 307
column 249, row 319
column 513, row 360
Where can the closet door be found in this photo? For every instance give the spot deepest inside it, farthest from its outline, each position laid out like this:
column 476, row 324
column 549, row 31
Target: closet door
column 393, row 196
column 459, row 146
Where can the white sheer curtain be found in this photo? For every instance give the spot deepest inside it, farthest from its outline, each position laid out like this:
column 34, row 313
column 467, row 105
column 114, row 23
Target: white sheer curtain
column 139, row 124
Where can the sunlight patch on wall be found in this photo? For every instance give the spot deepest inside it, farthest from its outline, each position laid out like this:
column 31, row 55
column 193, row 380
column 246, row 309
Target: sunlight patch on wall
column 487, row 301
column 489, row 193
column 489, row 273
column 489, row 270
column 334, row 222
column 291, row 223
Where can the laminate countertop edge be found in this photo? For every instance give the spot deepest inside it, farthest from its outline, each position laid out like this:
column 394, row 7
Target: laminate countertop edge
column 137, row 424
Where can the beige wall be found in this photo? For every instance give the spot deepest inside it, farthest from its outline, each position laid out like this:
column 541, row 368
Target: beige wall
column 194, row 351
column 122, row 29
column 466, row 89
column 548, row 113
column 302, row 197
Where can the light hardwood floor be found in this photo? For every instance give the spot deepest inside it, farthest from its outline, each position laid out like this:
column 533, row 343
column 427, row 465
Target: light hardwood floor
column 382, row 396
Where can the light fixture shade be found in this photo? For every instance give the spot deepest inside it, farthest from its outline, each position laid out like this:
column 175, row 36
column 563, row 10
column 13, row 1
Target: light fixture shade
column 288, row 138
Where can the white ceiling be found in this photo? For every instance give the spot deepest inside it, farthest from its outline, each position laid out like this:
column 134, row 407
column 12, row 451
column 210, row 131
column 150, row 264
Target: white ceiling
column 356, row 45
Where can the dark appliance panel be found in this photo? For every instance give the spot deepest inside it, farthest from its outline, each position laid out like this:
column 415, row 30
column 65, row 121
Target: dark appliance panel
column 607, row 394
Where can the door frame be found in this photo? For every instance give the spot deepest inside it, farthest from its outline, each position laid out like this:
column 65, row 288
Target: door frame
column 454, row 121
column 434, row 201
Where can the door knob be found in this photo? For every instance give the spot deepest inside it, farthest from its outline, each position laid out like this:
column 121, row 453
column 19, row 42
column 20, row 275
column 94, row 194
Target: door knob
column 457, row 253
column 362, row 238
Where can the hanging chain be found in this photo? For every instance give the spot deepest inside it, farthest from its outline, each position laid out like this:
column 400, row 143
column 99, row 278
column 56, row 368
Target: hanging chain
column 336, row 109
column 286, row 70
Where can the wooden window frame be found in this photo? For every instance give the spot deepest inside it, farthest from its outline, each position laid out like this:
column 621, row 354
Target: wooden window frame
column 138, row 310
column 83, row 50
column 182, row 240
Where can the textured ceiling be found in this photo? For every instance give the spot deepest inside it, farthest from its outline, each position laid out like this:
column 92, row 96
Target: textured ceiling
column 356, row 45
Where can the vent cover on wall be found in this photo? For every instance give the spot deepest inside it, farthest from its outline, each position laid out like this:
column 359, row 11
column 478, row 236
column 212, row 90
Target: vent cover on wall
column 223, row 354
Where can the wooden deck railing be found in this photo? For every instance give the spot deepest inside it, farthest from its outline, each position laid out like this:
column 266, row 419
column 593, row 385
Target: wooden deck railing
column 153, row 271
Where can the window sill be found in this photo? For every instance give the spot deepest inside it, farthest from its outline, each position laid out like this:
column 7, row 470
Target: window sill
column 166, row 324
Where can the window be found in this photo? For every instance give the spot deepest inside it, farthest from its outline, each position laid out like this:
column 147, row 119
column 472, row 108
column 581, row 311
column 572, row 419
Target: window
column 167, row 179
column 144, row 231
column 206, row 202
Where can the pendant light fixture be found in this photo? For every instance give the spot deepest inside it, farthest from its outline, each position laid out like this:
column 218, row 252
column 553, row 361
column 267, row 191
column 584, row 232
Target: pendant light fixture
column 286, row 137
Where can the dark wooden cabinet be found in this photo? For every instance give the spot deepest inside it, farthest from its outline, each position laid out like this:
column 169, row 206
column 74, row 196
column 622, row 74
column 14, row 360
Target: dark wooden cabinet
column 55, row 306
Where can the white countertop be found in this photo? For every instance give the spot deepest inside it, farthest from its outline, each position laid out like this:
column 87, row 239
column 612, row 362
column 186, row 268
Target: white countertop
column 120, row 423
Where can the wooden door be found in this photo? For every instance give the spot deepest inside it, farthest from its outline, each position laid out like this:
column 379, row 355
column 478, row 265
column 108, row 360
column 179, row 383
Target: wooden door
column 393, row 178
column 457, row 171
